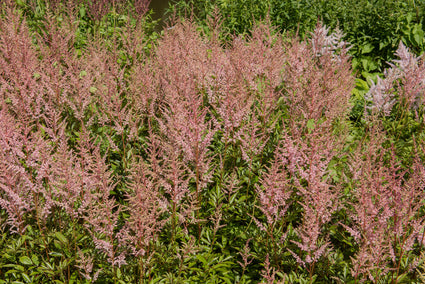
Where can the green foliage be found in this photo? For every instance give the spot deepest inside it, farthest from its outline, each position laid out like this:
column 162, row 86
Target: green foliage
column 373, row 45
column 32, row 257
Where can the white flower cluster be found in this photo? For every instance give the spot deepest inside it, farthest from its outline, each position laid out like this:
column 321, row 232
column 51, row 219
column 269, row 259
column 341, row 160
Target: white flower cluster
column 381, row 96
column 404, row 78
column 324, row 43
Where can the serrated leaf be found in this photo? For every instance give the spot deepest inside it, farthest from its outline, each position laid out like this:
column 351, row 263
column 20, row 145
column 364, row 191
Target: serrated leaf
column 34, row 259
column 367, row 48
column 92, row 90
column 382, row 45
column 311, row 124
column 418, row 35
column 202, row 259
column 54, row 253
column 26, row 278
column 61, row 237
column 82, row 12
column 25, row 260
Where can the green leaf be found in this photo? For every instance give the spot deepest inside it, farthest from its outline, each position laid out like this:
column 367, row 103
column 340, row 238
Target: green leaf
column 83, row 74
column 382, row 45
column 355, row 63
column 37, row 75
column 48, row 266
column 82, row 12
column 61, row 237
column 367, row 48
column 19, row 267
column 34, row 259
column 401, row 278
column 27, row 278
column 226, row 280
column 92, row 90
column 370, row 76
column 361, row 84
column 311, row 124
column 368, row 64
column 418, row 35
column 54, row 253
column 409, row 17
column 25, row 260
column 202, row 259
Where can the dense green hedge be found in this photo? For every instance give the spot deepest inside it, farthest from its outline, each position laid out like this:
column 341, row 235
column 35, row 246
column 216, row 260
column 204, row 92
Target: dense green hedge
column 373, row 27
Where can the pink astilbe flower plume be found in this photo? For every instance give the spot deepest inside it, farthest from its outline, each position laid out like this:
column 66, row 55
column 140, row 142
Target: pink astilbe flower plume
column 141, row 7
column 184, row 121
column 73, row 188
column 168, row 173
column 274, row 190
column 404, row 81
column 320, row 197
column 316, row 88
column 145, row 207
column 15, row 191
column 20, row 68
column 386, row 211
column 85, row 264
column 99, row 210
column 23, row 184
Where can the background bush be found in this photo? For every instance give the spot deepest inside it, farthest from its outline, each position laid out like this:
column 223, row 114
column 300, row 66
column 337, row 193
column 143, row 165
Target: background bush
column 373, row 28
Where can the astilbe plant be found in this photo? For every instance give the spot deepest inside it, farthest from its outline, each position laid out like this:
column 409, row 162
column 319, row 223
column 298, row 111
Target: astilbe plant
column 320, row 196
column 164, row 161
column 387, row 223
column 260, row 60
column 174, row 177
column 403, row 82
column 145, row 207
column 274, row 192
column 183, row 121
column 30, row 104
column 102, row 215
column 43, row 177
column 26, row 174
column 316, row 86
column 20, row 66
column 71, row 186
column 15, row 188
column 302, row 158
